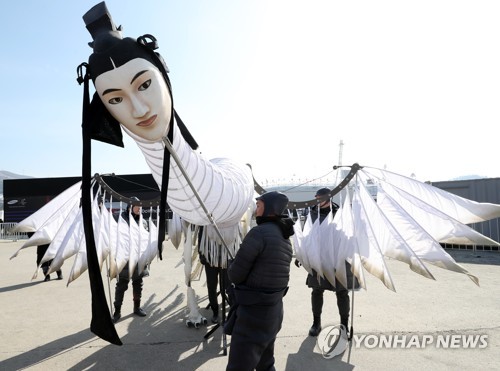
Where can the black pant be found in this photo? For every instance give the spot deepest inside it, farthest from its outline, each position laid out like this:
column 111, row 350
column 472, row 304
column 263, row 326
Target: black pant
column 213, row 275
column 342, row 302
column 253, row 337
column 40, row 252
column 122, row 286
column 250, row 356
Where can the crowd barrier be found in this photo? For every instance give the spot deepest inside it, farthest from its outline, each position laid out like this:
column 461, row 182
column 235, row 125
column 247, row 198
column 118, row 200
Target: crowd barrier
column 7, row 232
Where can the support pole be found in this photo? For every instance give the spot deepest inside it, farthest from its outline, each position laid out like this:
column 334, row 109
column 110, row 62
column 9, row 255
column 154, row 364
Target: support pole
column 177, row 160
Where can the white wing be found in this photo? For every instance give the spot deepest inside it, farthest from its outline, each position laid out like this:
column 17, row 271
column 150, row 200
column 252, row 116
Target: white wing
column 407, row 221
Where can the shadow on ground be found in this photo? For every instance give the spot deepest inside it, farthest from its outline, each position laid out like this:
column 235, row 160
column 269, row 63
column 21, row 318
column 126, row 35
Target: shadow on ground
column 157, row 342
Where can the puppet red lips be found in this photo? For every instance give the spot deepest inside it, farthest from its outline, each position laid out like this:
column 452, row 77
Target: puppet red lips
column 147, row 122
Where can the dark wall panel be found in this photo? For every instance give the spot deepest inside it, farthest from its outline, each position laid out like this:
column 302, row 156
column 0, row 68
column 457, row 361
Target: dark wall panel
column 22, row 197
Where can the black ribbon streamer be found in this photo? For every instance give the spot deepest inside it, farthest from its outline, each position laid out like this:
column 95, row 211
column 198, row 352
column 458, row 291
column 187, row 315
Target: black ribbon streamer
column 101, row 323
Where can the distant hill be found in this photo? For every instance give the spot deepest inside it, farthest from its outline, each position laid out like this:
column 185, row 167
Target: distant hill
column 8, row 175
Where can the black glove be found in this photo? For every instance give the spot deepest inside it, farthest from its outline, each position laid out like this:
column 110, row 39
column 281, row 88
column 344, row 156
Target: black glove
column 297, row 263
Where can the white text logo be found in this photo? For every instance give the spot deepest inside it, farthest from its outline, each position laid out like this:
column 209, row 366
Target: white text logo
column 332, row 341
column 400, row 341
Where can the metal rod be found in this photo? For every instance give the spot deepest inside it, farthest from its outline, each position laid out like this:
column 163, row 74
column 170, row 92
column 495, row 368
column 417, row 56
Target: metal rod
column 177, row 160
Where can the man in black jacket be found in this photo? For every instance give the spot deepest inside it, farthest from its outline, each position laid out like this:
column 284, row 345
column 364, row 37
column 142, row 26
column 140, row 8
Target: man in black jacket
column 260, row 273
column 124, row 276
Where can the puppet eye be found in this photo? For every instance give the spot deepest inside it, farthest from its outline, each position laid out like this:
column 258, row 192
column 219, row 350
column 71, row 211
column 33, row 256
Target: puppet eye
column 145, row 85
column 115, row 100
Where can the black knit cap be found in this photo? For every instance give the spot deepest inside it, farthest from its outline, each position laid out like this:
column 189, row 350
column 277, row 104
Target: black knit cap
column 132, row 202
column 274, row 203
column 322, row 192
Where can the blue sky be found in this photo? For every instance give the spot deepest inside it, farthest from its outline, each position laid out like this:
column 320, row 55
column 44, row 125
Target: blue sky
column 412, row 86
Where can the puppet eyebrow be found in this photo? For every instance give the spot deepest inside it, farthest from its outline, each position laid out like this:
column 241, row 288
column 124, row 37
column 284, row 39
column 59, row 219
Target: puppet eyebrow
column 137, row 75
column 107, row 91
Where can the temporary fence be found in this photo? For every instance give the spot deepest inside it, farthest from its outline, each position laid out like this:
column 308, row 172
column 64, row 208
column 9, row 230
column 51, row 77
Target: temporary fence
column 7, row 232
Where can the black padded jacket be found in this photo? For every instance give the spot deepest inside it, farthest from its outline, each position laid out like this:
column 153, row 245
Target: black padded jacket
column 263, row 260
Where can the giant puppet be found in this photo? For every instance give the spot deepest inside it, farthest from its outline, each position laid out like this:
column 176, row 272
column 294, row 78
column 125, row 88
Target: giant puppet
column 406, row 220
column 133, row 93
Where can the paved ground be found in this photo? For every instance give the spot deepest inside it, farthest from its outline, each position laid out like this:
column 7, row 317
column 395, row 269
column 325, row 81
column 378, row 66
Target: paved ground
column 45, row 325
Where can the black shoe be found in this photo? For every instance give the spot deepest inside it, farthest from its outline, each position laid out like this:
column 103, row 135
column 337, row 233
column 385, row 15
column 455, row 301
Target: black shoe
column 315, row 329
column 59, row 276
column 140, row 312
column 47, row 278
column 215, row 319
column 116, row 316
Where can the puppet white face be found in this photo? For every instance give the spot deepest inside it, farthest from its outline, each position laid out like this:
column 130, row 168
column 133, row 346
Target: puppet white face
column 137, row 95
